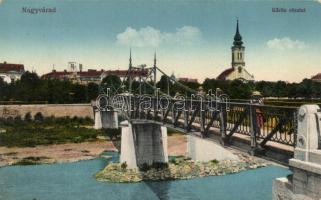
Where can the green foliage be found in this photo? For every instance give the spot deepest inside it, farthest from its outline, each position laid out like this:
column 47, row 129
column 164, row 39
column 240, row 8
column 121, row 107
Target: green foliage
column 214, row 161
column 49, row 131
column 212, row 84
column 164, row 84
column 171, row 131
column 123, row 165
column 242, row 90
column 111, row 81
column 30, row 88
column 92, row 91
column 113, row 134
column 174, row 161
column 237, row 89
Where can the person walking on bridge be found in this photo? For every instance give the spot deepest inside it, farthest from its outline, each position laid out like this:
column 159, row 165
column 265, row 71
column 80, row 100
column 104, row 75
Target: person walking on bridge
column 257, row 100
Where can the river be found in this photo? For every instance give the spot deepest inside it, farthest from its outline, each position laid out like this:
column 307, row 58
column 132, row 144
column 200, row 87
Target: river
column 75, row 181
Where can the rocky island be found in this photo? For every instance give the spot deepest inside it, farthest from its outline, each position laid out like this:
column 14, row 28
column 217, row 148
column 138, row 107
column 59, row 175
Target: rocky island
column 177, row 168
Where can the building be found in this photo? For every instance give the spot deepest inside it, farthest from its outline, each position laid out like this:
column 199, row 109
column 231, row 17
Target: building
column 90, row 76
column 122, row 74
column 189, row 80
column 82, row 77
column 316, row 77
column 237, row 71
column 11, row 72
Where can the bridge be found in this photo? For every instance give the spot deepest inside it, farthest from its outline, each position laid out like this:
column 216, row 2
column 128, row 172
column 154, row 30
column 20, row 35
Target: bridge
column 263, row 130
column 260, row 129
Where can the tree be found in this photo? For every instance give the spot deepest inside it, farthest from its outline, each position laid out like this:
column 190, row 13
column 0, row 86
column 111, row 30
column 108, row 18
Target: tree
column 78, row 93
column 164, row 84
column 92, row 91
column 239, row 90
column 280, row 89
column 26, row 89
column 212, row 84
column 293, row 90
column 30, row 79
column 3, row 89
column 266, row 88
column 305, row 88
column 111, row 81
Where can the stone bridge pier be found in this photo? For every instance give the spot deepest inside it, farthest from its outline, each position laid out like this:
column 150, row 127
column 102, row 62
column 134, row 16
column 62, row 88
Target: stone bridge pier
column 305, row 182
column 105, row 119
column 143, row 143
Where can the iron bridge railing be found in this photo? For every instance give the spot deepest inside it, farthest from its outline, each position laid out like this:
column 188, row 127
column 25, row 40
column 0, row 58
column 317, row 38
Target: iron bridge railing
column 261, row 123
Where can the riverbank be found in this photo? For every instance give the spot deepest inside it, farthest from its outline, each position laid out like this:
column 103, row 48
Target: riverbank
column 177, row 169
column 57, row 153
column 72, row 152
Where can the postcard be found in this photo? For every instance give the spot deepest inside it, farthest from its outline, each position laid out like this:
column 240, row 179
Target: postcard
column 160, row 99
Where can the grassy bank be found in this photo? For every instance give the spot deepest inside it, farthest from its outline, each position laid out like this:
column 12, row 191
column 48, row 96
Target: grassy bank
column 29, row 133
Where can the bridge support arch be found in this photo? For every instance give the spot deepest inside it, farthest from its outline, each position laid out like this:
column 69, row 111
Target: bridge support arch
column 143, row 143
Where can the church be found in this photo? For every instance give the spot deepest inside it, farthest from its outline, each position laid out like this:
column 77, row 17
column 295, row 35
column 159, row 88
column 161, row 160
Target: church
column 237, row 71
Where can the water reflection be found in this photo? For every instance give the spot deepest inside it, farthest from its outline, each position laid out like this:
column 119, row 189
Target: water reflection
column 160, row 188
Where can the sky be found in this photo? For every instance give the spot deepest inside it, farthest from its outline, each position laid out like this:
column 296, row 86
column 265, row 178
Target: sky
column 192, row 38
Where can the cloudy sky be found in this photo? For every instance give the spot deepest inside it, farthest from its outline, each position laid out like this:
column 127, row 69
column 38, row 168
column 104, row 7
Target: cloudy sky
column 192, row 38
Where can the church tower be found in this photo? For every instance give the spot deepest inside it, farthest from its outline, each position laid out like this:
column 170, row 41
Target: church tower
column 237, row 70
column 238, row 50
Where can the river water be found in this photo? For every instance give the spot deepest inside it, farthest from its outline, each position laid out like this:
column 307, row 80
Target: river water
column 75, row 181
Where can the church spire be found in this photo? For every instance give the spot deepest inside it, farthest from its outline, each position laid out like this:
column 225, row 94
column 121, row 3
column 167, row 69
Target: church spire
column 237, row 36
column 237, row 26
column 155, row 58
column 130, row 57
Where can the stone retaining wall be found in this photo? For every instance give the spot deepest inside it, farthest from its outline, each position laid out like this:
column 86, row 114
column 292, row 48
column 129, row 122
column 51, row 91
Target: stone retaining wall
column 47, row 110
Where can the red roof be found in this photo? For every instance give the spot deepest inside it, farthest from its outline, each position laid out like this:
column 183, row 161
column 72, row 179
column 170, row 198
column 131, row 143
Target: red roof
column 123, row 73
column 225, row 73
column 7, row 67
column 55, row 74
column 191, row 80
column 316, row 77
column 94, row 73
column 90, row 73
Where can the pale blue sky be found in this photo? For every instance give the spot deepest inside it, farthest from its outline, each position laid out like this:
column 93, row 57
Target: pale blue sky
column 192, row 38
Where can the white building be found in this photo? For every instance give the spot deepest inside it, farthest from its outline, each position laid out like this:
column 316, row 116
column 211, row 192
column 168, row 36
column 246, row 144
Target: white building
column 11, row 72
column 237, row 71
